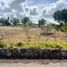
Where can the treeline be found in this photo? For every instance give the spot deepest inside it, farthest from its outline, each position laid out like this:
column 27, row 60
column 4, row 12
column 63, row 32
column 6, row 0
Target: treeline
column 60, row 16
column 15, row 21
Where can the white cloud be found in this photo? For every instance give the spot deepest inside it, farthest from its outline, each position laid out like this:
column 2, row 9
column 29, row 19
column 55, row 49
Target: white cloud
column 14, row 11
column 47, row 12
column 5, row 3
column 21, row 8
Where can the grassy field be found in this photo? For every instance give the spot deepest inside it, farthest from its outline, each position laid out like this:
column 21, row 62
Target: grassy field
column 14, row 35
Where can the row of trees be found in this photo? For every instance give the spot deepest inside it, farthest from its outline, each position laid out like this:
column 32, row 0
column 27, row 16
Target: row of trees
column 15, row 21
column 8, row 22
column 59, row 15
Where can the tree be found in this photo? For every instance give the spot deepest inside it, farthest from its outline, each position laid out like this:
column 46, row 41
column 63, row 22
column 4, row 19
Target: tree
column 5, row 21
column 15, row 21
column 57, row 16
column 27, row 24
column 25, row 20
column 61, row 17
column 64, row 15
column 41, row 24
column 2, row 20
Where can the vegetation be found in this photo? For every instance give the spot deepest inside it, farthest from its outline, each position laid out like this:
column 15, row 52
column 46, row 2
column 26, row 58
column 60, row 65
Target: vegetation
column 61, row 17
column 4, row 44
column 15, row 21
column 39, row 40
column 4, row 22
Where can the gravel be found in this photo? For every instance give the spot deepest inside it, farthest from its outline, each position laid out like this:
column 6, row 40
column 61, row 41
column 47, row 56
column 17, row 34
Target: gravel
column 33, row 63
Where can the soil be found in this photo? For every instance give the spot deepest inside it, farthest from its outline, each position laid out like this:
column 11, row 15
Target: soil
column 17, row 34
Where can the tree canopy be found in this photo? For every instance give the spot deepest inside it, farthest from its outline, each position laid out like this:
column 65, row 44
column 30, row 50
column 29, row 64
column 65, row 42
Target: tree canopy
column 60, row 15
column 41, row 22
column 25, row 20
column 15, row 21
column 4, row 21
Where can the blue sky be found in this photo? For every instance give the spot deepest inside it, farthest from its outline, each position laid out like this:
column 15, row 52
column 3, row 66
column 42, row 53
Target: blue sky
column 35, row 9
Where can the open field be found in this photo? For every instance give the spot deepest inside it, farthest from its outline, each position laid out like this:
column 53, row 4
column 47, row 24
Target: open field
column 17, row 34
column 13, row 35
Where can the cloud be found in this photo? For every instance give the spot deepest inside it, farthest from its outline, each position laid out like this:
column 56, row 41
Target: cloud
column 5, row 4
column 47, row 12
column 35, row 9
column 40, row 2
column 61, row 4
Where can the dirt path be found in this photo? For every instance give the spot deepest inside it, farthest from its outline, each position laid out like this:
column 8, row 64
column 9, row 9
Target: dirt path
column 33, row 63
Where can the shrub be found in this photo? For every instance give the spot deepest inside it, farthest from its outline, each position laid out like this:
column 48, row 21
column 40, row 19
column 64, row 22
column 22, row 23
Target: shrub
column 19, row 44
column 5, row 44
column 2, row 44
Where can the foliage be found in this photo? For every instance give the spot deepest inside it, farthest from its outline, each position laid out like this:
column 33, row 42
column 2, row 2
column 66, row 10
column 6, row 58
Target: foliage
column 41, row 23
column 64, row 15
column 25, row 21
column 19, row 44
column 7, row 44
column 4, row 21
column 57, row 16
column 2, row 44
column 61, row 15
column 15, row 21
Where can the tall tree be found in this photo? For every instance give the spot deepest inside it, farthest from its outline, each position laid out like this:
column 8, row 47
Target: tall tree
column 64, row 15
column 61, row 17
column 25, row 20
column 41, row 24
column 5, row 21
column 27, row 24
column 57, row 16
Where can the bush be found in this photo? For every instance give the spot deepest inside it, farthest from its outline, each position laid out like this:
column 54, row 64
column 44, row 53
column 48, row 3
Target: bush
column 2, row 44
column 19, row 44
column 5, row 44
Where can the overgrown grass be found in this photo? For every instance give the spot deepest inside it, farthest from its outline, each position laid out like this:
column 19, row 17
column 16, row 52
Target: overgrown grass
column 8, row 44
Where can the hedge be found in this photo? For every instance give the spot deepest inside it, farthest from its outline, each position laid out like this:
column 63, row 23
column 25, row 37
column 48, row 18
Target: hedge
column 32, row 53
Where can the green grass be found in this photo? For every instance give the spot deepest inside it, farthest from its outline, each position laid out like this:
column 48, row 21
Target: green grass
column 4, row 44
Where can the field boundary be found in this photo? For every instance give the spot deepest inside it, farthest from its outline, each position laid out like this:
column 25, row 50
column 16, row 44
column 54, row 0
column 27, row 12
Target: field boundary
column 33, row 53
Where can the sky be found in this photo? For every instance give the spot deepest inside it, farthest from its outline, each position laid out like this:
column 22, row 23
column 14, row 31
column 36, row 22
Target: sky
column 34, row 9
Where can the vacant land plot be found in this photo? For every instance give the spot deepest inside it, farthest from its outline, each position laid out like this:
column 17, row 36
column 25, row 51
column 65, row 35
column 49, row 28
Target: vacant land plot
column 17, row 34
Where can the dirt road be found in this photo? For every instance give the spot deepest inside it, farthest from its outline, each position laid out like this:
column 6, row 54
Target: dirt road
column 33, row 63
